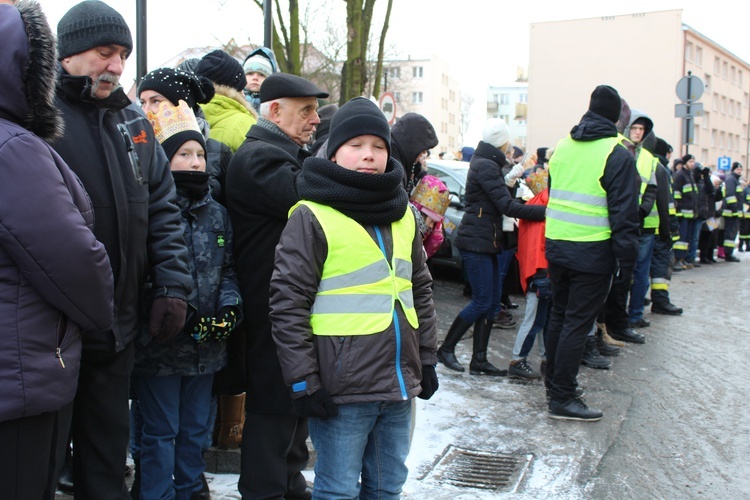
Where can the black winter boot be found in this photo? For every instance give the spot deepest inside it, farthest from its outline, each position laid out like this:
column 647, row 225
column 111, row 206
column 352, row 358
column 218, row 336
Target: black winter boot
column 446, row 352
column 479, row 364
column 591, row 356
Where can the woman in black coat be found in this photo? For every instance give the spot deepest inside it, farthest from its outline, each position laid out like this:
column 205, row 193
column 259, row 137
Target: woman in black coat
column 479, row 240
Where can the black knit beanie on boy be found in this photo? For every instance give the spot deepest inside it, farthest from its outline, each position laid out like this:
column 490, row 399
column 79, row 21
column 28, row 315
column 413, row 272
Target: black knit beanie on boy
column 360, row 116
column 91, row 24
column 177, row 85
column 606, row 102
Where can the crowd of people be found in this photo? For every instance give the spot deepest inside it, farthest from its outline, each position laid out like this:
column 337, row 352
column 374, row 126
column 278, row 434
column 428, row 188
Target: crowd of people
column 636, row 219
column 224, row 263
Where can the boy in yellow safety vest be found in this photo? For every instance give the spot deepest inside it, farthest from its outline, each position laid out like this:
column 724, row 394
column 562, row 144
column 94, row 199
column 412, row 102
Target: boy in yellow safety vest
column 351, row 308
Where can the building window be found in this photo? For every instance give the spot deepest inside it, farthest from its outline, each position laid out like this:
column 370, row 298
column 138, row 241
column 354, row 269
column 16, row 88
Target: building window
column 706, row 119
column 704, row 153
column 717, row 66
column 707, row 81
column 724, row 105
column 505, row 118
column 715, row 103
column 699, row 57
column 689, row 52
column 394, row 72
column 730, row 145
column 397, row 96
column 739, row 78
column 523, row 98
column 713, row 138
column 725, row 70
column 417, row 97
column 733, row 75
column 417, row 72
column 731, row 107
column 504, row 99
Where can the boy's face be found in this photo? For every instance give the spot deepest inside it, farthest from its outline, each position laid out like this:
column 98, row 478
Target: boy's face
column 636, row 133
column 190, row 156
column 253, row 81
column 365, row 153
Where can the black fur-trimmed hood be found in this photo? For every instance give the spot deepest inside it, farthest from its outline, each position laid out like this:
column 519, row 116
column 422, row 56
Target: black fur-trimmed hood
column 29, row 61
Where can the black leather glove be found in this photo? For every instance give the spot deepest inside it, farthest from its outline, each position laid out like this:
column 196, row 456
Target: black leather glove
column 224, row 323
column 429, row 382
column 167, row 319
column 318, row 404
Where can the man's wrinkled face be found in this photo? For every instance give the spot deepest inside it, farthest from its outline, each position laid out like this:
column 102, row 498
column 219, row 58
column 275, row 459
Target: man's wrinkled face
column 297, row 117
column 104, row 65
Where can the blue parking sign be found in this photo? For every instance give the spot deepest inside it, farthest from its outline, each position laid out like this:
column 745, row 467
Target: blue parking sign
column 724, row 163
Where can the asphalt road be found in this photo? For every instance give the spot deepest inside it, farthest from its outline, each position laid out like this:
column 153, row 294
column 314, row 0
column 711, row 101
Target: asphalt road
column 675, row 409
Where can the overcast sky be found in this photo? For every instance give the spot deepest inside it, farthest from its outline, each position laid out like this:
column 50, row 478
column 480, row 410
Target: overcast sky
column 484, row 41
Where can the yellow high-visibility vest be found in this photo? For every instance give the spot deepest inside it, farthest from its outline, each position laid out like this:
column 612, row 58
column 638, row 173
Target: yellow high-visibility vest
column 577, row 208
column 646, row 165
column 359, row 288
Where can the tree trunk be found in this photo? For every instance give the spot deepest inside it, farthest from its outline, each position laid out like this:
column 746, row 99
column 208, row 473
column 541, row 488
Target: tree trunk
column 381, row 50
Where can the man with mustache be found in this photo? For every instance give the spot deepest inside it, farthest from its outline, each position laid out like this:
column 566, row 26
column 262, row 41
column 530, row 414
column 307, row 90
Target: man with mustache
column 110, row 145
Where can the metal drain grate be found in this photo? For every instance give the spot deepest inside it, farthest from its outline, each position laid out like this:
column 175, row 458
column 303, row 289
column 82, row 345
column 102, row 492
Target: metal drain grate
column 478, row 469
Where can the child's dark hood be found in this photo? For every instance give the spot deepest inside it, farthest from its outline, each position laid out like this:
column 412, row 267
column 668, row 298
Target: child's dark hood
column 411, row 135
column 29, row 61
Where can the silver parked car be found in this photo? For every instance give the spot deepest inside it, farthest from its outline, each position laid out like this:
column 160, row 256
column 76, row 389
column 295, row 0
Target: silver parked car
column 453, row 174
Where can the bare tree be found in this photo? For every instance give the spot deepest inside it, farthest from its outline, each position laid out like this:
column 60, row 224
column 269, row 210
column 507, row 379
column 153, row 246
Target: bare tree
column 466, row 102
column 381, row 51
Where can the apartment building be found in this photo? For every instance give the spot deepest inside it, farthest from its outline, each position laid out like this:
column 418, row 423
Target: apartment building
column 643, row 56
column 510, row 102
column 425, row 86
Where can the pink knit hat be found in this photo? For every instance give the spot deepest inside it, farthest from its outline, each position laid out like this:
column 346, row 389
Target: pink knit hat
column 431, row 196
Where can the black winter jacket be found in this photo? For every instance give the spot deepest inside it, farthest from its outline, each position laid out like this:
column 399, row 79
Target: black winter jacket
column 487, row 200
column 260, row 190
column 620, row 180
column 111, row 146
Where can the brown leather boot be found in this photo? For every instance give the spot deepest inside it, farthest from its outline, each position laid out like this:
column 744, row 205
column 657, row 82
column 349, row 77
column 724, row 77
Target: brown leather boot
column 232, row 421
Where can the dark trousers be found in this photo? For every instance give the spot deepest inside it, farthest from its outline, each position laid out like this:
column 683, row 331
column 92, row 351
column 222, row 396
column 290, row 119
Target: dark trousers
column 26, row 450
column 705, row 247
column 274, row 454
column 616, row 306
column 577, row 299
column 662, row 260
column 100, row 425
column 731, row 228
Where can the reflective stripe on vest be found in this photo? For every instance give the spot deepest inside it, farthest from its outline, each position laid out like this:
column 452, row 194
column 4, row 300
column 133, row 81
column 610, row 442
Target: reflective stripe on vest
column 646, row 166
column 359, row 289
column 577, row 208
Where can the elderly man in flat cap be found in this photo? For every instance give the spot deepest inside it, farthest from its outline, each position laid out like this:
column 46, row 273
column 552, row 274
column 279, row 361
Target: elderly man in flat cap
column 110, row 145
column 260, row 192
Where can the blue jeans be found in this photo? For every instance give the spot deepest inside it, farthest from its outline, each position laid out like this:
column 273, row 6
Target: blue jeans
column 641, row 277
column 534, row 321
column 483, row 273
column 693, row 245
column 504, row 259
column 371, row 439
column 682, row 246
column 175, row 413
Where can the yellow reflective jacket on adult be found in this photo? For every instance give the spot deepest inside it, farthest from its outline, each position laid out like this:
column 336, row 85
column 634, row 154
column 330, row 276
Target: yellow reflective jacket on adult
column 592, row 216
